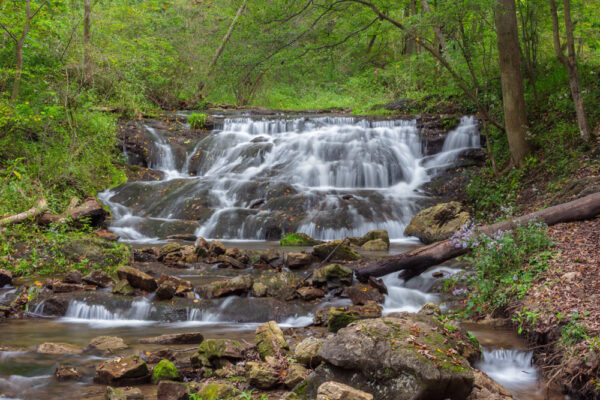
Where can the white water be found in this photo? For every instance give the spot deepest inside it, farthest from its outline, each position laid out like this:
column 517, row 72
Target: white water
column 100, row 317
column 513, row 369
column 327, row 177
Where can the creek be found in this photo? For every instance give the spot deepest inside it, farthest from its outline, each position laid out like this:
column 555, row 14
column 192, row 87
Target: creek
column 246, row 183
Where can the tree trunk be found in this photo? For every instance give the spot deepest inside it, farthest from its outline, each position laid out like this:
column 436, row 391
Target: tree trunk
column 18, row 70
column 513, row 98
column 219, row 51
column 417, row 261
column 87, row 62
column 570, row 64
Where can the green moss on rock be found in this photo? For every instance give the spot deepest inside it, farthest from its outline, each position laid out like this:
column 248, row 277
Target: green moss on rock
column 298, row 239
column 165, row 370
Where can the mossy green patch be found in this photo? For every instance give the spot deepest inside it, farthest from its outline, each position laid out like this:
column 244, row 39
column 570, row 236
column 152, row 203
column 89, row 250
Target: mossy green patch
column 165, row 370
column 298, row 239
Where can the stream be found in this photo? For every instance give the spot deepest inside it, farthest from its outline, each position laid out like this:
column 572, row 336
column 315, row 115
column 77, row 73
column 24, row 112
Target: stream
column 329, row 177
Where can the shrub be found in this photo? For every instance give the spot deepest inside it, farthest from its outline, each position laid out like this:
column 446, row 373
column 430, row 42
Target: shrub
column 197, row 120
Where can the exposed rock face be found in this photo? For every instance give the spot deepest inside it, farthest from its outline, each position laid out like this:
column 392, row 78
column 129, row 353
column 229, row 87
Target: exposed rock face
column 108, row 343
column 295, row 374
column 122, row 372
column 166, row 291
column 230, row 261
column 175, row 338
column 343, row 252
column 339, row 391
column 123, row 394
column 298, row 260
column 485, row 388
column 309, row 293
column 270, row 340
column 408, row 357
column 98, row 278
column 182, row 286
column 438, row 222
column 72, row 276
column 212, row 351
column 217, row 248
column 239, row 285
column 58, row 348
column 281, row 285
column 56, row 305
column 168, row 390
column 67, row 373
column 333, row 275
column 307, row 352
column 338, row 317
column 123, row 288
column 62, row 287
column 137, row 278
column 361, row 294
column 261, row 375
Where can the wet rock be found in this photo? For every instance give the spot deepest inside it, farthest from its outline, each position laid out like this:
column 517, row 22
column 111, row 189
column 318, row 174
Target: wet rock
column 122, row 372
column 61, row 287
column 239, row 285
column 211, row 351
column 338, row 317
column 295, row 374
column 98, row 278
column 182, row 286
column 216, row 390
column 430, row 309
column 148, row 254
column 217, row 248
column 175, row 338
column 339, row 391
column 5, row 277
column 343, row 252
column 137, row 278
column 58, row 348
column 56, row 306
column 361, row 294
column 307, row 352
column 269, row 340
column 108, row 343
column 485, row 388
column 272, row 257
column 169, row 249
column 376, row 235
column 187, row 237
column 166, row 291
column 281, row 285
column 375, row 245
column 67, row 373
column 106, row 235
column 73, row 276
column 230, row 261
column 298, row 260
column 309, row 293
column 127, row 393
column 123, row 288
column 154, row 357
column 261, row 375
column 378, row 284
column 165, row 370
column 298, row 239
column 438, row 222
column 259, row 289
column 333, row 275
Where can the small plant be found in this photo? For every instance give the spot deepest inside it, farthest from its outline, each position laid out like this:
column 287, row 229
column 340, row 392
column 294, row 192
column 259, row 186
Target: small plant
column 197, row 120
column 573, row 333
column 525, row 317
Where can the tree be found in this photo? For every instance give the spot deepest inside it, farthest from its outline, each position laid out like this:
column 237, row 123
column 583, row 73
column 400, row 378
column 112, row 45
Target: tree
column 513, row 99
column 570, row 63
column 19, row 41
column 87, row 62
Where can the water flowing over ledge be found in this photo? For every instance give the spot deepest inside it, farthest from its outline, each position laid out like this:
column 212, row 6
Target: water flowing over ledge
column 329, row 177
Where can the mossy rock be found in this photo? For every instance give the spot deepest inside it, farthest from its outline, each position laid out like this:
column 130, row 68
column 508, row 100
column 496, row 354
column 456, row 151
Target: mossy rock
column 123, row 288
column 211, row 350
column 376, row 245
column 342, row 252
column 333, row 275
column 270, row 340
column 298, row 239
column 216, row 391
column 165, row 370
column 438, row 223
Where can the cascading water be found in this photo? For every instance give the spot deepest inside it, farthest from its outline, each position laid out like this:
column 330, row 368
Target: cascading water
column 256, row 179
column 512, row 368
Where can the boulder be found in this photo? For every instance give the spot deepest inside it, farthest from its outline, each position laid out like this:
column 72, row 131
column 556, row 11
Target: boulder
column 58, row 349
column 154, row 357
column 343, row 252
column 239, row 285
column 5, row 277
column 62, row 287
column 259, row 289
column 127, row 393
column 271, row 257
column 375, row 235
column 408, row 357
column 216, row 391
column 298, row 260
column 485, row 388
column 261, row 375
column 212, row 351
column 98, row 278
column 123, row 288
column 108, row 343
column 175, row 338
column 230, row 261
column 309, row 293
column 333, row 275
column 217, row 248
column 438, row 222
column 339, row 317
column 182, row 286
column 165, row 370
column 72, row 276
column 376, row 245
column 169, row 248
column 298, row 239
column 122, row 372
column 166, row 291
column 67, row 373
column 361, row 294
column 281, row 285
column 169, row 390
column 269, row 340
column 106, row 235
column 294, row 375
column 307, row 352
column 55, row 305
column 339, row 391
column 137, row 278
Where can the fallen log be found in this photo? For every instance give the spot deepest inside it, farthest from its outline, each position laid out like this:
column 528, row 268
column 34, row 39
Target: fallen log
column 33, row 212
column 90, row 209
column 417, row 261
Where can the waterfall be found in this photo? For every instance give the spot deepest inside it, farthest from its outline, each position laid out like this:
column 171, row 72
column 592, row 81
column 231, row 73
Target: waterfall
column 98, row 315
column 329, row 177
column 512, row 368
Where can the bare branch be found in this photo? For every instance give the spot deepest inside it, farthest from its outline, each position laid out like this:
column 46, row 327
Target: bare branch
column 37, row 11
column 9, row 32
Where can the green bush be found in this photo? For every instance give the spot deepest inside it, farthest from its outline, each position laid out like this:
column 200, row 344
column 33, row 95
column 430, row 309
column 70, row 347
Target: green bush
column 197, row 120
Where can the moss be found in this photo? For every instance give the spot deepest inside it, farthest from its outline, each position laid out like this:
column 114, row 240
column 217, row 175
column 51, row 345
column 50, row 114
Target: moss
column 298, row 239
column 165, row 370
column 338, row 319
column 216, row 391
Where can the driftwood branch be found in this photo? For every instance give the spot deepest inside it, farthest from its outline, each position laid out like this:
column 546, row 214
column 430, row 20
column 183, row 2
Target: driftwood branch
column 90, row 208
column 417, row 261
column 40, row 207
